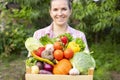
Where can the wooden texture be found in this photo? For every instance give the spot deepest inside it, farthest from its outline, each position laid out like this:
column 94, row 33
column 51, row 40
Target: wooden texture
column 58, row 77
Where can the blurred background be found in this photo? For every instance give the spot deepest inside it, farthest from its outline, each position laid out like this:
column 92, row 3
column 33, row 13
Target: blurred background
column 98, row 19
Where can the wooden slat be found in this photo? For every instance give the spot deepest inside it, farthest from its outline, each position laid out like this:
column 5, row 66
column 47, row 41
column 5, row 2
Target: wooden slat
column 58, row 77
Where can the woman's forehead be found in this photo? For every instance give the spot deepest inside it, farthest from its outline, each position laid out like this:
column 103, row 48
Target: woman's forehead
column 59, row 3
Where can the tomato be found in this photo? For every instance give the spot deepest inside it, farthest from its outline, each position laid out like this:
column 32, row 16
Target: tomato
column 68, row 53
column 58, row 54
column 39, row 51
column 64, row 40
column 58, row 46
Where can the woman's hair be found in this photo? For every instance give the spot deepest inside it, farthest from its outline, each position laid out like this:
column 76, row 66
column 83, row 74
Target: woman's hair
column 69, row 3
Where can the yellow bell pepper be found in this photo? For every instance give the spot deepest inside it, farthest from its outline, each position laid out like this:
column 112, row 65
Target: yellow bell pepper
column 74, row 46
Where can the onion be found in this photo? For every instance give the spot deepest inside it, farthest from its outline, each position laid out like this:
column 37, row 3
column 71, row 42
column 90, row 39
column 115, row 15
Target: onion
column 40, row 65
column 45, row 72
column 48, row 67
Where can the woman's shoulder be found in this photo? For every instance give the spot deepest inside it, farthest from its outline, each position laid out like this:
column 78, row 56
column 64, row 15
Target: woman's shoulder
column 76, row 32
column 40, row 32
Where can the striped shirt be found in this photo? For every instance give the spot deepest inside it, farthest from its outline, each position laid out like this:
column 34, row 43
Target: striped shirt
column 49, row 31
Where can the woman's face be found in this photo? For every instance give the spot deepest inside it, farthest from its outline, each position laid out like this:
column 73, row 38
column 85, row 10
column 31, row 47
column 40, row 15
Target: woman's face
column 60, row 12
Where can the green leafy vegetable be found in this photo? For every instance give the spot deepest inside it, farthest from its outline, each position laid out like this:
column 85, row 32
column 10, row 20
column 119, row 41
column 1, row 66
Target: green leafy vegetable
column 83, row 61
column 31, row 61
column 32, row 44
column 81, row 44
column 46, row 40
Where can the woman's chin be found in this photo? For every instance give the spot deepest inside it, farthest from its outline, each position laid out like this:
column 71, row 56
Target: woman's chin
column 61, row 23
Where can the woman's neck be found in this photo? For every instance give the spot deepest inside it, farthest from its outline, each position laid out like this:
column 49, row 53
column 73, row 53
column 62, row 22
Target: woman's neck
column 58, row 29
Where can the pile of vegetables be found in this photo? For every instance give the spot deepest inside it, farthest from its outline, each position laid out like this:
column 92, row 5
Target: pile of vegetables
column 62, row 55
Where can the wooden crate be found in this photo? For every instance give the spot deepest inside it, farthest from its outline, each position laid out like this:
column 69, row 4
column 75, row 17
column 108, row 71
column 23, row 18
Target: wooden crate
column 60, row 77
column 29, row 76
column 57, row 77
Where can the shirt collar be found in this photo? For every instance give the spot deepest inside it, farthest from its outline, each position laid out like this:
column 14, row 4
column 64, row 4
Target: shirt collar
column 50, row 30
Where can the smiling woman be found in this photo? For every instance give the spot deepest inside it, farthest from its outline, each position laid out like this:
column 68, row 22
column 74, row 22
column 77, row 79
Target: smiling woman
column 60, row 11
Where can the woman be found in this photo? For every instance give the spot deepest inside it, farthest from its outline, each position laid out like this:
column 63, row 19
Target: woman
column 60, row 11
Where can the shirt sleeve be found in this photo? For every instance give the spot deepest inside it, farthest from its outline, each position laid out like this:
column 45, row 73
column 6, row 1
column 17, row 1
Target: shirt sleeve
column 37, row 34
column 86, row 45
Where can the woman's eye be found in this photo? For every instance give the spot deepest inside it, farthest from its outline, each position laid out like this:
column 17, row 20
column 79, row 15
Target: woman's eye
column 64, row 9
column 55, row 9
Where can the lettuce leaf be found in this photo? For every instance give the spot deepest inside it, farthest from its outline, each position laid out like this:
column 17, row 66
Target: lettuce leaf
column 46, row 40
column 32, row 44
column 31, row 61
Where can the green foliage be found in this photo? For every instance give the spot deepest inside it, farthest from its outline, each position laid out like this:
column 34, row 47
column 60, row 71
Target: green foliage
column 96, row 18
column 38, row 11
column 14, row 31
column 107, row 59
column 96, row 15
column 12, row 40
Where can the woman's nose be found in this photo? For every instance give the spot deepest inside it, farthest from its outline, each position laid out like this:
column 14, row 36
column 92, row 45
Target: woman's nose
column 59, row 12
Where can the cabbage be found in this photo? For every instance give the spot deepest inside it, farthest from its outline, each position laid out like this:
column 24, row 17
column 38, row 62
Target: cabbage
column 32, row 44
column 83, row 61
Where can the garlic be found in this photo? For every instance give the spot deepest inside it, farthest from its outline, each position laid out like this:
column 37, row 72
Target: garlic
column 74, row 71
column 49, row 47
column 34, row 69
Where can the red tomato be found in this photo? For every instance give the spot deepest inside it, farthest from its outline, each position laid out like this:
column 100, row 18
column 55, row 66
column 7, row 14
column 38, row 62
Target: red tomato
column 68, row 53
column 58, row 46
column 39, row 51
column 58, row 54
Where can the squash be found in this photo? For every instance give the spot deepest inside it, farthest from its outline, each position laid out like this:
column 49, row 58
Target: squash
column 62, row 67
